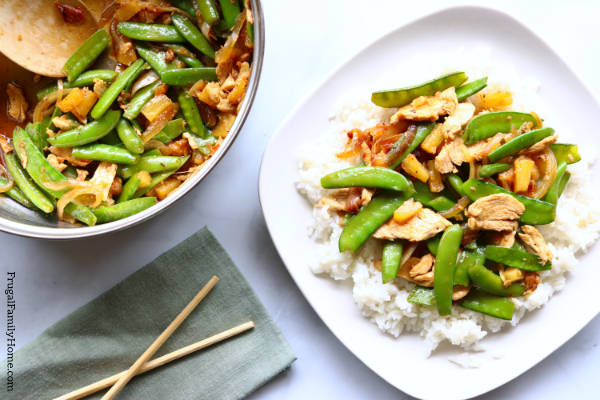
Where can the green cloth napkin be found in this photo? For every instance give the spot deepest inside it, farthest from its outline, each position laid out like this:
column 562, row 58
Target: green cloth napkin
column 109, row 333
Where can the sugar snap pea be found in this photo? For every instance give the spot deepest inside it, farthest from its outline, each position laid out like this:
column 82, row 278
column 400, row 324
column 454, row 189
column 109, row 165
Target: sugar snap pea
column 153, row 164
column 424, row 196
column 16, row 194
column 88, row 133
column 155, row 59
column 487, row 125
column 85, row 55
column 129, row 188
column 192, row 114
column 230, row 10
column 423, row 129
column 25, row 184
column 185, row 55
column 519, row 143
column 555, row 190
column 403, row 96
column 536, row 212
column 192, row 34
column 374, row 177
column 422, row 296
column 105, row 152
column 445, row 264
column 465, row 261
column 188, row 76
column 150, row 32
column 485, row 303
column 129, row 137
column 173, row 129
column 372, row 216
column 111, row 94
column 565, row 152
column 516, row 258
column 209, row 11
column 491, row 283
column 85, row 79
column 456, row 183
column 488, row 170
column 34, row 132
column 134, row 107
column 433, row 244
column 469, row 89
column 123, row 210
column 390, row 260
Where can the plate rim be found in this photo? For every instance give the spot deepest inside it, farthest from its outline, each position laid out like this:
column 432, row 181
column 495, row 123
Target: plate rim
column 304, row 100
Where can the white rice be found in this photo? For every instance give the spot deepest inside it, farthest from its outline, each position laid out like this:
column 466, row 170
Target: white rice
column 577, row 226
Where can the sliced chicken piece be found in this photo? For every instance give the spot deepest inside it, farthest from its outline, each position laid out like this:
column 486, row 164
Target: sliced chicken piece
column 540, row 146
column 428, row 108
column 481, row 149
column 425, row 279
column 424, row 265
column 451, row 155
column 422, row 226
column 531, row 279
column 496, row 212
column 348, row 200
column 4, row 145
column 17, row 105
column 459, row 292
column 504, row 238
column 534, row 242
column 459, row 118
column 57, row 162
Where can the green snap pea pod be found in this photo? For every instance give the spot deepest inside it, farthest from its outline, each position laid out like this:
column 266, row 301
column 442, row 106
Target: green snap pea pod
column 112, row 139
column 433, row 244
column 185, row 55
column 129, row 137
column 565, row 152
column 492, row 169
column 390, row 260
column 536, row 212
column 188, row 76
column 374, row 177
column 156, row 179
column 47, row 124
column 372, row 216
column 134, row 107
column 28, row 188
column 105, row 152
column 129, row 189
column 192, row 115
column 113, row 91
column 153, row 152
column 124, row 209
column 563, row 183
column 491, row 283
column 185, row 5
column 230, row 10
column 403, row 96
column 192, row 34
column 209, row 11
column 471, row 246
column 204, row 144
column 16, row 194
column 88, row 133
column 516, row 258
column 33, row 130
column 42, row 172
column 445, row 263
column 553, row 192
column 156, row 60
column 85, row 55
column 519, row 143
column 487, row 125
column 465, row 261
column 150, row 32
column 173, row 129
column 495, row 306
column 85, row 79
column 424, row 196
column 423, row 129
column 421, row 296
column 469, row 89
column 456, row 183
column 153, row 164
column 190, row 61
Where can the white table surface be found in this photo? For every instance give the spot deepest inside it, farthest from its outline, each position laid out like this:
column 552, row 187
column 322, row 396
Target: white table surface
column 306, row 40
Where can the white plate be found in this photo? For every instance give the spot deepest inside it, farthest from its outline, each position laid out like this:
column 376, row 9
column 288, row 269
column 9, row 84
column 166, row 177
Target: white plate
column 401, row 361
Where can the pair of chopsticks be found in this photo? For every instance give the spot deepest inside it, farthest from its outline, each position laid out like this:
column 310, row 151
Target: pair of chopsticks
column 142, row 364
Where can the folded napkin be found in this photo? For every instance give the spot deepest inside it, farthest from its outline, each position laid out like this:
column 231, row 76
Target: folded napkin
column 109, row 333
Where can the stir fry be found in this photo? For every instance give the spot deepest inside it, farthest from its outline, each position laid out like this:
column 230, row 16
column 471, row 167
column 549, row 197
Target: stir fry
column 453, row 186
column 105, row 144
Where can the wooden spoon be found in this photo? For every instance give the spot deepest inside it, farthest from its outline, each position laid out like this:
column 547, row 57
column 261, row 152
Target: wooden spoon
column 34, row 34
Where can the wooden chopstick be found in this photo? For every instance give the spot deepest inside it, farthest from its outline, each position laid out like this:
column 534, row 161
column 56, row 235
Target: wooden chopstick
column 158, row 362
column 150, row 351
